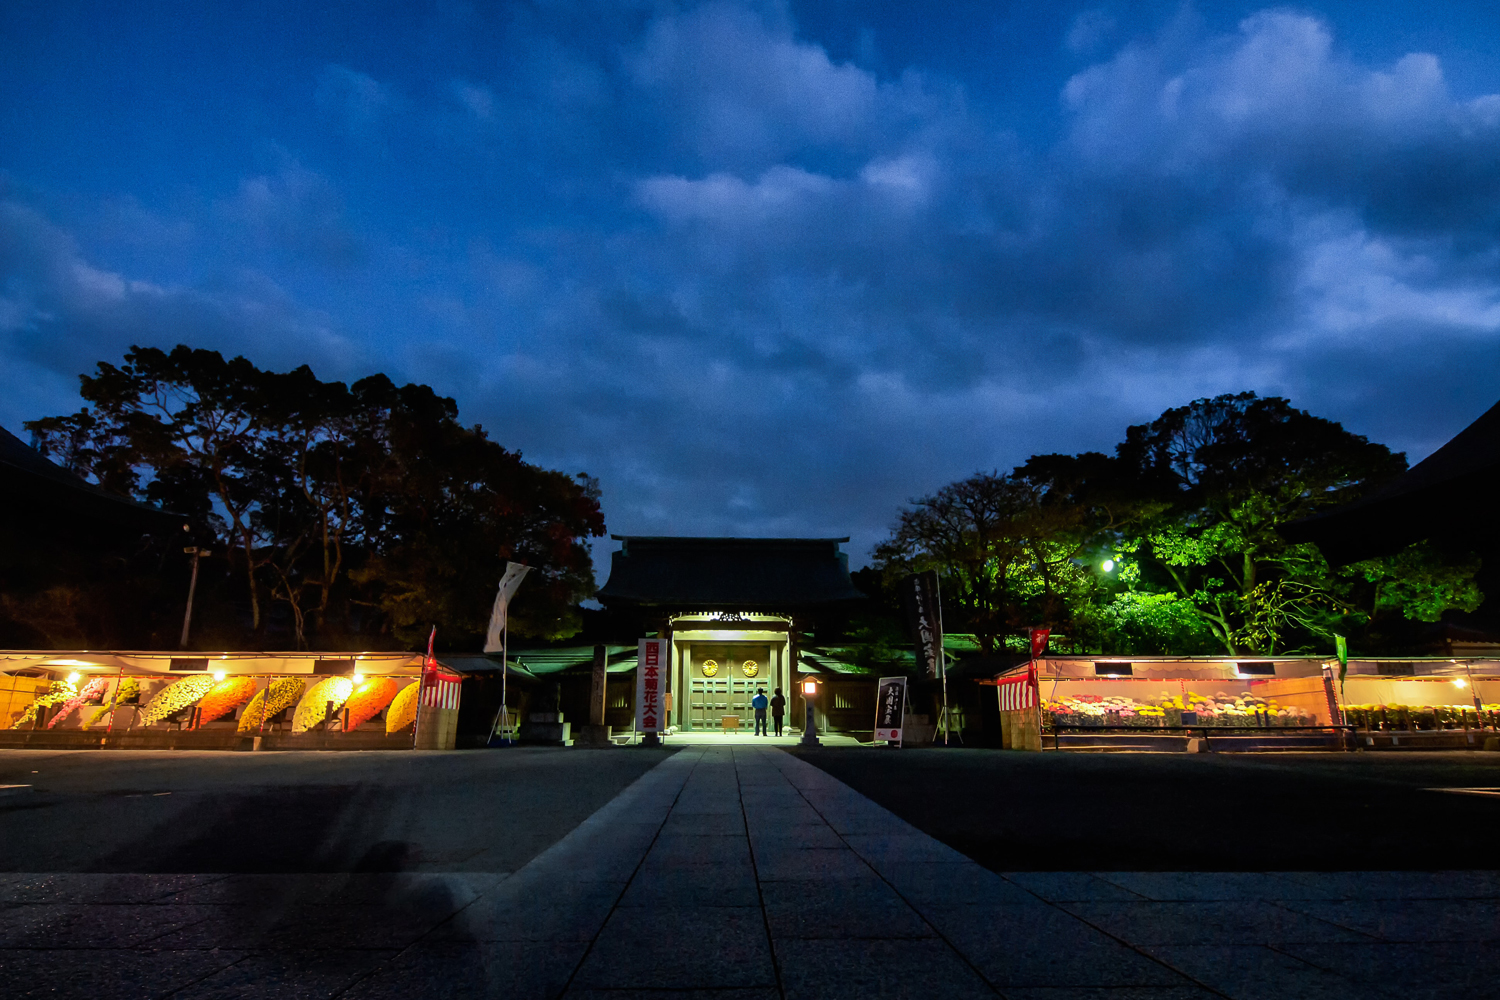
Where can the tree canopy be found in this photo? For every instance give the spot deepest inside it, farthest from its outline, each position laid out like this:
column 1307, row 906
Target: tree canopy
column 1172, row 543
column 344, row 514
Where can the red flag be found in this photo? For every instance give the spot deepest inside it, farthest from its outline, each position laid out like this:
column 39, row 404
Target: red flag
column 431, row 662
column 1039, row 637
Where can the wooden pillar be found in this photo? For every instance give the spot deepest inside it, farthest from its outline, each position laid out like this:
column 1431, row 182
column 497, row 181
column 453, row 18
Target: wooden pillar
column 669, row 671
column 1031, row 726
column 794, row 661
column 599, row 687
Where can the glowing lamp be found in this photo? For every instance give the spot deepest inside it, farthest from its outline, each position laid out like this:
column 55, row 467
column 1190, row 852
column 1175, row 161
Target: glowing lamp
column 810, row 729
column 359, row 679
column 74, row 677
column 1108, row 565
column 218, row 675
column 1460, row 683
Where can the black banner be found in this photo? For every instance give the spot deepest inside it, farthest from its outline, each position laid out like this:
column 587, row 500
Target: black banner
column 924, row 616
column 890, row 709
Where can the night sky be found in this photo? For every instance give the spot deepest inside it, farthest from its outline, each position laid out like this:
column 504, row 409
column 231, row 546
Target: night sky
column 768, row 269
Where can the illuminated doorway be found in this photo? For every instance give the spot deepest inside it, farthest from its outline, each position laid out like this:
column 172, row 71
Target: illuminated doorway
column 722, row 678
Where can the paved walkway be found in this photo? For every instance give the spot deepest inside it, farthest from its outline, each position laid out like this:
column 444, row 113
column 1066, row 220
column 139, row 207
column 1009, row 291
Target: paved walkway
column 710, row 738
column 742, row 873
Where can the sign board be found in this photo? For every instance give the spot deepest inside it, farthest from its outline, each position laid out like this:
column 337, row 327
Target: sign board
column 890, row 709
column 651, row 686
column 924, row 614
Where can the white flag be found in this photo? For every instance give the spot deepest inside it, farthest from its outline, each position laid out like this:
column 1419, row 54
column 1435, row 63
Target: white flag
column 514, row 573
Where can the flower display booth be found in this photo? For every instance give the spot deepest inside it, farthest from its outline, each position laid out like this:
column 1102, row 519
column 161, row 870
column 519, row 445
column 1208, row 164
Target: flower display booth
column 1274, row 703
column 228, row 701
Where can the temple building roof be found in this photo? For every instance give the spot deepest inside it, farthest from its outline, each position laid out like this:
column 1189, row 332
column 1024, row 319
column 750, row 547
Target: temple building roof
column 728, row 573
column 32, row 487
column 1446, row 497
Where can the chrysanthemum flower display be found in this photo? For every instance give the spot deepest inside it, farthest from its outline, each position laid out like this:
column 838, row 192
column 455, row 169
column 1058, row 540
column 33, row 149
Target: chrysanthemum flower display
column 1400, row 717
column 96, row 716
column 1220, row 709
column 368, row 699
column 313, row 706
column 175, row 697
column 403, row 709
column 92, row 691
column 226, row 696
column 282, row 693
column 58, row 693
column 128, row 691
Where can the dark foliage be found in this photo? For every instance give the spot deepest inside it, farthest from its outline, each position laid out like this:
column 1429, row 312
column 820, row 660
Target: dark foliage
column 339, row 515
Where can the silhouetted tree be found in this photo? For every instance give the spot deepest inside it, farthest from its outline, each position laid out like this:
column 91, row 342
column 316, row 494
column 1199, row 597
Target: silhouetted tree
column 361, row 508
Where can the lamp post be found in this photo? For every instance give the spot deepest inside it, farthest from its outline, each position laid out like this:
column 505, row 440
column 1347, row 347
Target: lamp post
column 187, row 616
column 810, row 729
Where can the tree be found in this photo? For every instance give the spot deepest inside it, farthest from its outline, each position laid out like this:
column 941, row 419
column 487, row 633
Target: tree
column 193, row 419
column 1231, row 471
column 1186, row 512
column 360, row 509
column 969, row 531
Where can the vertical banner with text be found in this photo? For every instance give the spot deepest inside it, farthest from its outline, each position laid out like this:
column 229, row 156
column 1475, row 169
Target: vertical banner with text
column 650, row 686
column 890, row 709
column 919, row 592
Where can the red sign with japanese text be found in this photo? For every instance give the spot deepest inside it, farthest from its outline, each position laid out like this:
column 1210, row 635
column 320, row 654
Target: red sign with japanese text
column 650, row 686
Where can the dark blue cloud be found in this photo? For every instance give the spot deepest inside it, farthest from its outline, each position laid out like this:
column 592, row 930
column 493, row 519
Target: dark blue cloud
column 775, row 270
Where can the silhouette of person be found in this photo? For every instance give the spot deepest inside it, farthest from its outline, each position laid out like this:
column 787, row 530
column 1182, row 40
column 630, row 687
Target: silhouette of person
column 760, row 703
column 778, row 709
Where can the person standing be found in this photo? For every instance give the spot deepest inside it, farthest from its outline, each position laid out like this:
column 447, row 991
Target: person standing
column 778, row 709
column 760, row 703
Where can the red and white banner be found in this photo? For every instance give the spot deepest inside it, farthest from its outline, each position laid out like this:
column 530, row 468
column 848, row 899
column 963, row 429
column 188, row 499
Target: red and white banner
column 651, row 686
column 439, row 691
column 1018, row 692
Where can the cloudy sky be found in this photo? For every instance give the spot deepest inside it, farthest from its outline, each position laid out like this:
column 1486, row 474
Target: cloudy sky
column 765, row 268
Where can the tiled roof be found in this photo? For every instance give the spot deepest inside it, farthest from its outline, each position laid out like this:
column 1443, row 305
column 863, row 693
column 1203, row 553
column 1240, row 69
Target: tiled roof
column 728, row 573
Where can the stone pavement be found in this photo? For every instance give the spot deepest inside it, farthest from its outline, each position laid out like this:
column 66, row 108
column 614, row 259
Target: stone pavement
column 742, row 872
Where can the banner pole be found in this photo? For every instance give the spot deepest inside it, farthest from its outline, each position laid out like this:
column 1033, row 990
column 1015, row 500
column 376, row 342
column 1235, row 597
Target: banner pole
column 937, row 590
column 429, row 660
column 504, row 679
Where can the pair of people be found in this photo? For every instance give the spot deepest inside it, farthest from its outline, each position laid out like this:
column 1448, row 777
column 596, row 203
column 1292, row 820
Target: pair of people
column 760, row 703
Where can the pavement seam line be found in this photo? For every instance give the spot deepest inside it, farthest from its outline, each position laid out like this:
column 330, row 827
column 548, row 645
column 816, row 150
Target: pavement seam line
column 209, row 975
column 1322, row 920
column 880, row 875
column 1138, row 949
column 1048, row 902
column 385, row 965
column 1313, row 965
column 615, row 906
column 755, row 871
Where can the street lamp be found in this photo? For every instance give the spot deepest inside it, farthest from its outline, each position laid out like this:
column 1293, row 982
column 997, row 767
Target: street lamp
column 810, row 729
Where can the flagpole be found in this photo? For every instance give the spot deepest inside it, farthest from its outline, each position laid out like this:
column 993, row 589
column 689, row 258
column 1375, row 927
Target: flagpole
column 500, row 615
column 428, row 661
column 504, row 677
column 937, row 589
